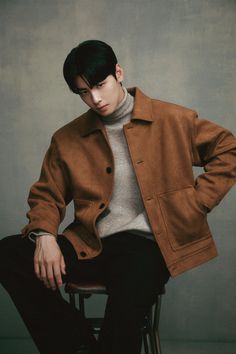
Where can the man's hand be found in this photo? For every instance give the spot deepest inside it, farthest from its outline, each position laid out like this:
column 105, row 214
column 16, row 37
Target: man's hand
column 49, row 262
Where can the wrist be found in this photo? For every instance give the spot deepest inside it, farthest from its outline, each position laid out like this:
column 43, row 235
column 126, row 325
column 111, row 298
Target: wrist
column 41, row 238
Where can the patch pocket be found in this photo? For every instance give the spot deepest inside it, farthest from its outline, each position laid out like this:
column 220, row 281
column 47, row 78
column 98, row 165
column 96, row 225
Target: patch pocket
column 184, row 218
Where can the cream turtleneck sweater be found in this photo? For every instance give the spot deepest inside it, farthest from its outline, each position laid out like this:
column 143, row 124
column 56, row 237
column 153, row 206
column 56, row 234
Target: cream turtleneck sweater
column 126, row 211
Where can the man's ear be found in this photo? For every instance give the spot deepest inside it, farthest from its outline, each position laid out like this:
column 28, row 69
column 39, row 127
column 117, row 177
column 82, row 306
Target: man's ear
column 119, row 73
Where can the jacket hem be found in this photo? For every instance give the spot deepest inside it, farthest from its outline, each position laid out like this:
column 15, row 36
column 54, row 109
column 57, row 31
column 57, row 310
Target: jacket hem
column 192, row 260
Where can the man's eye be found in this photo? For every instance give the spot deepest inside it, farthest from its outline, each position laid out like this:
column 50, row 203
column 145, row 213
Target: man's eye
column 100, row 84
column 82, row 93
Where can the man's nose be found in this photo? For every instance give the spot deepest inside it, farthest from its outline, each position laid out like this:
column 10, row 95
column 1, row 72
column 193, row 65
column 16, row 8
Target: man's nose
column 96, row 97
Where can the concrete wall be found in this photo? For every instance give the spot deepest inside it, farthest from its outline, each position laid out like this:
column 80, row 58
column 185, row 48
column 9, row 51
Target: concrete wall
column 181, row 51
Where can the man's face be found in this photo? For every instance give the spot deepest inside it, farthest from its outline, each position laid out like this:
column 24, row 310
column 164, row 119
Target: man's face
column 104, row 97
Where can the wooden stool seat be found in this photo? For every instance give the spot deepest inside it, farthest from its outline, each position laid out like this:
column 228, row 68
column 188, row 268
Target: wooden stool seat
column 87, row 287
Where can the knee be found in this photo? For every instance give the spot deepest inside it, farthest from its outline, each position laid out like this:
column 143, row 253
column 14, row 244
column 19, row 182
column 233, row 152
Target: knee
column 8, row 247
column 4, row 252
column 4, row 247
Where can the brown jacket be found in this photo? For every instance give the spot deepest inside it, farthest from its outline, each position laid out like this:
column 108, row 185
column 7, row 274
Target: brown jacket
column 164, row 140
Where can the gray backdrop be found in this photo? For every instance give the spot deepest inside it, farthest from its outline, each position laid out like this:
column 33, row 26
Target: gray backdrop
column 181, row 51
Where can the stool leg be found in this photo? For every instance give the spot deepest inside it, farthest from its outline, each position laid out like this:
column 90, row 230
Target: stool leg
column 81, row 304
column 145, row 343
column 150, row 338
column 72, row 299
column 155, row 327
column 152, row 341
column 157, row 342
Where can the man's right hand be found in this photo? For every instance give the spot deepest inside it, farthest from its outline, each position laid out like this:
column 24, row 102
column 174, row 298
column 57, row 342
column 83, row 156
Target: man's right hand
column 49, row 264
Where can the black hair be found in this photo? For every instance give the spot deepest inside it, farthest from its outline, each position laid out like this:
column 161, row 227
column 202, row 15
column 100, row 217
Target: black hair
column 93, row 60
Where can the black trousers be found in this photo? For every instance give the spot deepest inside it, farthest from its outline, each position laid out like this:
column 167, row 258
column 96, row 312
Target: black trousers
column 132, row 268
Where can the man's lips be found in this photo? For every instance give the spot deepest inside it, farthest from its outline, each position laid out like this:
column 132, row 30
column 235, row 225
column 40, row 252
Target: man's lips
column 101, row 108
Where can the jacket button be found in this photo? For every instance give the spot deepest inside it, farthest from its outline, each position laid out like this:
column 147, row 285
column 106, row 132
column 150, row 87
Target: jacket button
column 83, row 254
column 108, row 169
column 101, row 206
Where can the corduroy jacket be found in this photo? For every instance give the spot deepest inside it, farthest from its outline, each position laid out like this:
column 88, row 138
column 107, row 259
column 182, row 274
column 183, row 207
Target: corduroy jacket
column 165, row 141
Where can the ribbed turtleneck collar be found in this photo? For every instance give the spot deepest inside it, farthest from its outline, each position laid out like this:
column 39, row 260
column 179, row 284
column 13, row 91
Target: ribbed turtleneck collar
column 124, row 108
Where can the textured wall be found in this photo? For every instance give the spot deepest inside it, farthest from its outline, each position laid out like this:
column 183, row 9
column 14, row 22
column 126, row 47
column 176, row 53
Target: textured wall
column 181, row 51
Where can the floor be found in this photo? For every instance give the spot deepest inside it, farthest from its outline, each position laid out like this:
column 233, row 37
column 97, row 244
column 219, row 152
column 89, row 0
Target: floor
column 26, row 346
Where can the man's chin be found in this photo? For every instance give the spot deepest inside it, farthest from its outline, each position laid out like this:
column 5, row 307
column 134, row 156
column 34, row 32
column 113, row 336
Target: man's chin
column 106, row 113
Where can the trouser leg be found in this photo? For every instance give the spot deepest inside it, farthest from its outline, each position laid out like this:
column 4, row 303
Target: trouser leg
column 132, row 268
column 135, row 272
column 53, row 324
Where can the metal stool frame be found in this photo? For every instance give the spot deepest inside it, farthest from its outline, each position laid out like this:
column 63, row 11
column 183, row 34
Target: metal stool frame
column 150, row 330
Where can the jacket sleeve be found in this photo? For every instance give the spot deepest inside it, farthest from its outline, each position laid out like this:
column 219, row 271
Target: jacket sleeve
column 49, row 196
column 214, row 148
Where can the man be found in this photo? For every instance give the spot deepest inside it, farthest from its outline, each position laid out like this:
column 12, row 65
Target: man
column 140, row 216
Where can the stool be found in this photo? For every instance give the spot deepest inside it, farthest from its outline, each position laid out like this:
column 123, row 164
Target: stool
column 150, row 330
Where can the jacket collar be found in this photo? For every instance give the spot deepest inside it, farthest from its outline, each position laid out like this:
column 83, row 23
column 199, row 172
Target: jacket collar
column 142, row 111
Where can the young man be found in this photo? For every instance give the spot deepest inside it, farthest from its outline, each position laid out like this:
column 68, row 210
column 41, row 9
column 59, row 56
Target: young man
column 140, row 216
